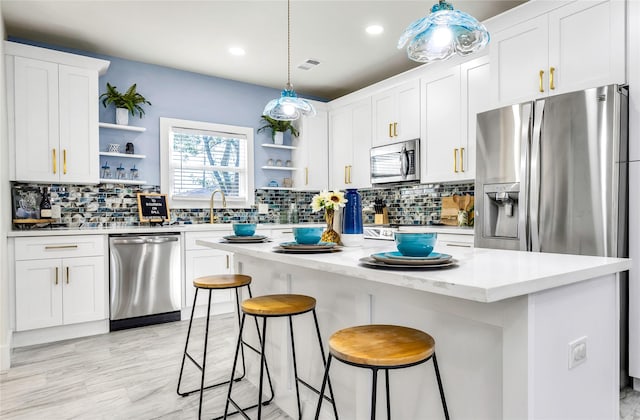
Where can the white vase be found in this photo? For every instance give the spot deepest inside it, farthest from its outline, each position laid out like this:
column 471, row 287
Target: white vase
column 278, row 137
column 122, row 116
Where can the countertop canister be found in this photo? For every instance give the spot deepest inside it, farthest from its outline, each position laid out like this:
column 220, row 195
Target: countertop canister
column 352, row 230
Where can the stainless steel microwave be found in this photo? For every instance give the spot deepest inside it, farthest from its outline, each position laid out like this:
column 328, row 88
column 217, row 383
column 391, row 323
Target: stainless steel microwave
column 397, row 162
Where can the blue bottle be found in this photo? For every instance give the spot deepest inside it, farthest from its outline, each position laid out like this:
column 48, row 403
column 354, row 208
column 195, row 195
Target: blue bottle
column 352, row 229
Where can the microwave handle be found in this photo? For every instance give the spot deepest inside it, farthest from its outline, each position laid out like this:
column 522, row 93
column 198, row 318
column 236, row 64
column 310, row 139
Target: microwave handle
column 404, row 162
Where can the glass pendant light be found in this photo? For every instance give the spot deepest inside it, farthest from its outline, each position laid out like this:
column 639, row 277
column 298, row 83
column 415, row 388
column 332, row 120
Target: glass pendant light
column 442, row 33
column 288, row 107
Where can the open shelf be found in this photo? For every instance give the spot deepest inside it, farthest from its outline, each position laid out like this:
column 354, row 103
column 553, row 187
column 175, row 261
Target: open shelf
column 123, row 155
column 278, row 146
column 280, row 168
column 121, row 127
column 121, row 181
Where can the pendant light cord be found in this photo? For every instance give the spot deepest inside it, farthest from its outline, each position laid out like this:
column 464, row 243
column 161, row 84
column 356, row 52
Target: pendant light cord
column 288, row 44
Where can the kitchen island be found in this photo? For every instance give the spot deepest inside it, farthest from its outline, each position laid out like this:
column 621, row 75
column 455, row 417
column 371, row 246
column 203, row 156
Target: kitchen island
column 503, row 322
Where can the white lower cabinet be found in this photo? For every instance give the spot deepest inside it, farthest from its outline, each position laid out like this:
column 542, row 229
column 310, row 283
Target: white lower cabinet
column 201, row 261
column 59, row 281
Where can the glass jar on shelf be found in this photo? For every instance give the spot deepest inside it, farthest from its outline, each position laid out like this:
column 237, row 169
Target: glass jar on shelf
column 105, row 171
column 133, row 173
column 120, row 174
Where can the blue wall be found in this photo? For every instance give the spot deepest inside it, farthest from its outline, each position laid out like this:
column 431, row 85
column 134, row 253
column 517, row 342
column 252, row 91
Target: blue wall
column 184, row 95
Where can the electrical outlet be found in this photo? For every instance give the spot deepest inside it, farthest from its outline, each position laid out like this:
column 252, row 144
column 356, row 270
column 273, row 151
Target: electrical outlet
column 577, row 352
column 263, row 208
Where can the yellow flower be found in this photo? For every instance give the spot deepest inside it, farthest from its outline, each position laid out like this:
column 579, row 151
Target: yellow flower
column 328, row 200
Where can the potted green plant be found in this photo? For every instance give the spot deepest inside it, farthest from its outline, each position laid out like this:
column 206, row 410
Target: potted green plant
column 278, row 128
column 129, row 102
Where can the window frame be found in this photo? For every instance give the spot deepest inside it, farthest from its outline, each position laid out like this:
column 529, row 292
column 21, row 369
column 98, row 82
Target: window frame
column 166, row 186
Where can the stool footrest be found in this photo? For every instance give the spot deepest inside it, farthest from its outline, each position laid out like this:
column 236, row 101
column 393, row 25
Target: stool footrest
column 312, row 388
column 241, row 410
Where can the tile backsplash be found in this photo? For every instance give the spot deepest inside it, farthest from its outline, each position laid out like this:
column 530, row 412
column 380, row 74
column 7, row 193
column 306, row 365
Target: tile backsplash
column 115, row 205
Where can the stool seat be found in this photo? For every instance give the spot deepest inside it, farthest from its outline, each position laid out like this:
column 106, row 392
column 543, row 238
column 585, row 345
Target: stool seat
column 278, row 305
column 222, row 281
column 381, row 345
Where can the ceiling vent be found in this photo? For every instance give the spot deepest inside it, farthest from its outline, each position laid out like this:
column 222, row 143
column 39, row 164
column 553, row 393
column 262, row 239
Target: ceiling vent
column 308, row 64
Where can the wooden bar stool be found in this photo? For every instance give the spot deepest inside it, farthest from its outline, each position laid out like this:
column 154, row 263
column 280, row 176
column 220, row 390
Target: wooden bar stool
column 272, row 306
column 212, row 283
column 382, row 347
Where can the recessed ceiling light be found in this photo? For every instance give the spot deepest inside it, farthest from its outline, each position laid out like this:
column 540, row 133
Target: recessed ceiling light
column 237, row 51
column 374, row 29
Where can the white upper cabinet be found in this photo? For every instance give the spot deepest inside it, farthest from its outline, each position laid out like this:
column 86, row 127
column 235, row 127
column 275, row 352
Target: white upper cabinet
column 350, row 142
column 574, row 47
column 452, row 98
column 311, row 155
column 53, row 115
column 396, row 114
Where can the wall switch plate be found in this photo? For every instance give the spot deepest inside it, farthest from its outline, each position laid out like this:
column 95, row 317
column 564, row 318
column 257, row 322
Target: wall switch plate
column 263, row 208
column 577, row 352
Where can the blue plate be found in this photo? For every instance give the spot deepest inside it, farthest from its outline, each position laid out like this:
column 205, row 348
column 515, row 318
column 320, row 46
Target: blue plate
column 432, row 256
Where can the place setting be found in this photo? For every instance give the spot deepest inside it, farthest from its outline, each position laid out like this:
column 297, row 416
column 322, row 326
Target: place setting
column 307, row 241
column 415, row 251
column 244, row 233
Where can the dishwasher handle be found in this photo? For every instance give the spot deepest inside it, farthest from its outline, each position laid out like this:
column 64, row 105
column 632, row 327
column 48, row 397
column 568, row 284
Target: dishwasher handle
column 145, row 240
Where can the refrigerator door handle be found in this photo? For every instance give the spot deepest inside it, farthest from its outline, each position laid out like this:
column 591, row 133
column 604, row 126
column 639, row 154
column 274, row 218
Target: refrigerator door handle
column 523, row 206
column 534, row 180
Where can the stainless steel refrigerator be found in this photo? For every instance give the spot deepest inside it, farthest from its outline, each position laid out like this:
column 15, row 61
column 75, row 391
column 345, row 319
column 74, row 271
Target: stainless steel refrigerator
column 551, row 176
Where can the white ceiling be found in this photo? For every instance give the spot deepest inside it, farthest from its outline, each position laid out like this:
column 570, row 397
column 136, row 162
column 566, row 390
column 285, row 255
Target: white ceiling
column 195, row 36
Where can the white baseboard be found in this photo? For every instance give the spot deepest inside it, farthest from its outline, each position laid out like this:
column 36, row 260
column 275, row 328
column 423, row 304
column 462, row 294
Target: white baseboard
column 63, row 332
column 5, row 353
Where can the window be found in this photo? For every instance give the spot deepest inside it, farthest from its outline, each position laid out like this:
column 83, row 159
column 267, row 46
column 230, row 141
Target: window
column 198, row 158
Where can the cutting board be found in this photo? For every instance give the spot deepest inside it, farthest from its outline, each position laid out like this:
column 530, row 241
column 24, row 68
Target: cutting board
column 450, row 208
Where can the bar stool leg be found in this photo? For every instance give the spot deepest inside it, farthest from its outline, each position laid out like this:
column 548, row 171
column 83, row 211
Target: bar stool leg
column 295, row 367
column 322, row 387
column 204, row 356
column 233, row 369
column 386, row 374
column 241, row 347
column 333, row 401
column 444, row 402
column 263, row 361
column 186, row 345
column 374, row 390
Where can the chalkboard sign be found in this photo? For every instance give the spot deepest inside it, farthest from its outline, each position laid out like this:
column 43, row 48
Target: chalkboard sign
column 153, row 207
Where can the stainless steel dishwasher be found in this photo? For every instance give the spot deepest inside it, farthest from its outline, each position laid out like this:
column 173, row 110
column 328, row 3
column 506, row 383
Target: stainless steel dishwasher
column 144, row 280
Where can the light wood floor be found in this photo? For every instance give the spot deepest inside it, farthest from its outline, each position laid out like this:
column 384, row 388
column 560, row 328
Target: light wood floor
column 133, row 374
column 129, row 374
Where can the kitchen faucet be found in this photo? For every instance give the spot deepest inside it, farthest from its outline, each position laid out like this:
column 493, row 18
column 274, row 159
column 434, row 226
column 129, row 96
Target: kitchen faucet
column 212, row 218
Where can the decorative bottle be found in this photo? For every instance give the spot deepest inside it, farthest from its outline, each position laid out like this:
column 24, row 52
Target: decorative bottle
column 45, row 205
column 352, row 229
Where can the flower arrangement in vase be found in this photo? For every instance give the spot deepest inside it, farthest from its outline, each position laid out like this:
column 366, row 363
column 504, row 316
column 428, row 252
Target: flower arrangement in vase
column 329, row 201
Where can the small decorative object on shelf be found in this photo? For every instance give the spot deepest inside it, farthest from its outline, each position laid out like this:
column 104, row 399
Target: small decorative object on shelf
column 278, row 128
column 273, row 184
column 287, row 182
column 129, row 102
column 278, row 162
column 129, row 149
column 329, row 201
column 114, row 148
column 106, row 171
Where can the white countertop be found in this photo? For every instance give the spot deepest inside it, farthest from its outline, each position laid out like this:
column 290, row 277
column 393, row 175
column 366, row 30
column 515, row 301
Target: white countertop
column 483, row 275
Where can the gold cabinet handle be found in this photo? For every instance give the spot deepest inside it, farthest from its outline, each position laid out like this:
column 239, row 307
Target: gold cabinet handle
column 462, row 159
column 67, row 269
column 64, row 161
column 60, row 247
column 306, row 176
column 56, row 276
column 227, row 261
column 455, row 160
column 540, row 76
column 552, row 85
column 55, row 165
column 350, row 174
column 345, row 174
column 395, row 129
column 390, row 133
